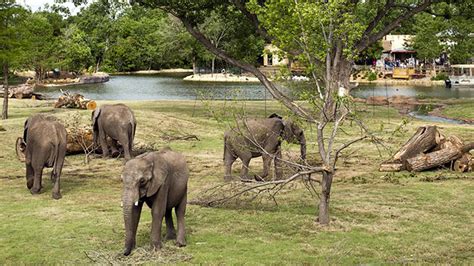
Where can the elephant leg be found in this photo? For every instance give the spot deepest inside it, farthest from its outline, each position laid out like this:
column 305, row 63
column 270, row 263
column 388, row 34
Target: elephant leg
column 126, row 149
column 245, row 167
column 37, row 180
column 229, row 160
column 170, row 231
column 29, row 176
column 267, row 161
column 55, row 176
column 157, row 213
column 278, row 170
column 103, row 143
column 114, row 148
column 180, row 212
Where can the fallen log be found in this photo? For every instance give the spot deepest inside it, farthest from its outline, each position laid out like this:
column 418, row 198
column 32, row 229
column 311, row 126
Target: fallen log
column 425, row 139
column 463, row 164
column 79, row 140
column 451, row 150
column 21, row 92
column 75, row 100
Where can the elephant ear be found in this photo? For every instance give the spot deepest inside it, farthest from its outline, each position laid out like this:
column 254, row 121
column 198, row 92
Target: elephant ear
column 160, row 174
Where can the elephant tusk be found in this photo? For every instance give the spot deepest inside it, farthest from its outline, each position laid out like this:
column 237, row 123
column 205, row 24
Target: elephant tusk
column 121, row 204
column 136, row 203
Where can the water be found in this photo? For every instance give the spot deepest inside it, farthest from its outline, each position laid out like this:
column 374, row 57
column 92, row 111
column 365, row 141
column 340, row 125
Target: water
column 365, row 91
column 154, row 87
column 158, row 87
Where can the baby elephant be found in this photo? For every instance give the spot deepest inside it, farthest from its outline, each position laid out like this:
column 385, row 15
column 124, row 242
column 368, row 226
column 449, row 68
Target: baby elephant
column 260, row 137
column 117, row 122
column 160, row 179
column 44, row 145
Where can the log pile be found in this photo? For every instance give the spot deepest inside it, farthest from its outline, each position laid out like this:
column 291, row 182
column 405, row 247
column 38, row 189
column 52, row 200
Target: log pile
column 428, row 149
column 79, row 140
column 76, row 100
column 21, row 92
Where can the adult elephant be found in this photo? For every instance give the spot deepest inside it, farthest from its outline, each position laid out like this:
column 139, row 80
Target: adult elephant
column 117, row 122
column 260, row 137
column 44, row 145
column 160, row 179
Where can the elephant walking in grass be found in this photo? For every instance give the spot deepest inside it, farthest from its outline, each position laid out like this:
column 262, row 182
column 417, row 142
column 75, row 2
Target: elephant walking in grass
column 260, row 137
column 118, row 122
column 160, row 179
column 44, row 145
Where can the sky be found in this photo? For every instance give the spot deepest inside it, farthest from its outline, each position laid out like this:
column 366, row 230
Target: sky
column 36, row 4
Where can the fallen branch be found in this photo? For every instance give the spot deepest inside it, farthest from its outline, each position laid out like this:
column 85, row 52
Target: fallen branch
column 272, row 187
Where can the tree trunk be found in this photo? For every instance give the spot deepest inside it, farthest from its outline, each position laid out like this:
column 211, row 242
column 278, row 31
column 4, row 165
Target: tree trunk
column 212, row 65
column 423, row 140
column 323, row 216
column 5, row 91
column 449, row 151
column 433, row 159
column 194, row 65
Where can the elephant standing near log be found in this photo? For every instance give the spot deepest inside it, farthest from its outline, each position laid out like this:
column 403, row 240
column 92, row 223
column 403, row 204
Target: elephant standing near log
column 118, row 122
column 260, row 137
column 160, row 179
column 44, row 145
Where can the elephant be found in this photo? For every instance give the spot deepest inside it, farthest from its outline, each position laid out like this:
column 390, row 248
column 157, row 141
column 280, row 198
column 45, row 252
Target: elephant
column 44, row 145
column 260, row 137
column 160, row 179
column 117, row 122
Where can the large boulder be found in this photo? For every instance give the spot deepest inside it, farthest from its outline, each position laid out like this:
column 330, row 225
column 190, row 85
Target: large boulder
column 98, row 77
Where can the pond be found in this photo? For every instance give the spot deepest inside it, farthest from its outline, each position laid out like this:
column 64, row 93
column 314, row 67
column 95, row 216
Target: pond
column 159, row 87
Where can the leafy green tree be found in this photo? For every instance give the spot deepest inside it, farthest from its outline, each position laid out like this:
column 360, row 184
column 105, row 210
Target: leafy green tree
column 76, row 55
column 12, row 43
column 447, row 28
column 97, row 21
column 44, row 43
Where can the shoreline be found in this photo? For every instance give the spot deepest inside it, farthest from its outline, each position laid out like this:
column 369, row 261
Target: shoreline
column 154, row 72
column 410, row 82
column 219, row 77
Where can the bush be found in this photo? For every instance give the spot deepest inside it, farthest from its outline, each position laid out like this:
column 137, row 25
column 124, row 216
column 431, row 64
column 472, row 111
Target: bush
column 440, row 76
column 372, row 76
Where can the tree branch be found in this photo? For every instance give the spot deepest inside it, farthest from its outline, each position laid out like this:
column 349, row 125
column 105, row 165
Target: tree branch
column 276, row 93
column 369, row 39
column 254, row 20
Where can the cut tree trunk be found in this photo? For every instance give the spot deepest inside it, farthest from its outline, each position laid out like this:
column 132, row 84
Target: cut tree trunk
column 425, row 139
column 450, row 150
column 463, row 164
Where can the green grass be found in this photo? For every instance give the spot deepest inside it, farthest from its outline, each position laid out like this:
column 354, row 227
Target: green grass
column 375, row 217
column 463, row 110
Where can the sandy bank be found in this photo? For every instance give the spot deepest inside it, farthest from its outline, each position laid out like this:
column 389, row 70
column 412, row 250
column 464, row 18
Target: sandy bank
column 220, row 78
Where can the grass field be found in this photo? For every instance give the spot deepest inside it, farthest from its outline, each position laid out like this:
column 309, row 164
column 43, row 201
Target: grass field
column 375, row 217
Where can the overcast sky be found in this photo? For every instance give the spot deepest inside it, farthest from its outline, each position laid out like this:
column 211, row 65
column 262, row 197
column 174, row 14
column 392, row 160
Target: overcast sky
column 36, row 4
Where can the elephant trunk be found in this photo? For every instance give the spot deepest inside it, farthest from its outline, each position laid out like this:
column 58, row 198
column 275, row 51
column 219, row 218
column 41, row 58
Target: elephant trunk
column 303, row 147
column 131, row 216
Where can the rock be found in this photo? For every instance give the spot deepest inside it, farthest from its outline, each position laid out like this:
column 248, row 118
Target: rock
column 98, row 77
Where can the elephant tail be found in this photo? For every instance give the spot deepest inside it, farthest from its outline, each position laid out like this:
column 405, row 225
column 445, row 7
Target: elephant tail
column 131, row 134
column 59, row 152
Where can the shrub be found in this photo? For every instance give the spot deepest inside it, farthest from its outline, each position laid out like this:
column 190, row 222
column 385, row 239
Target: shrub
column 372, row 76
column 440, row 76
